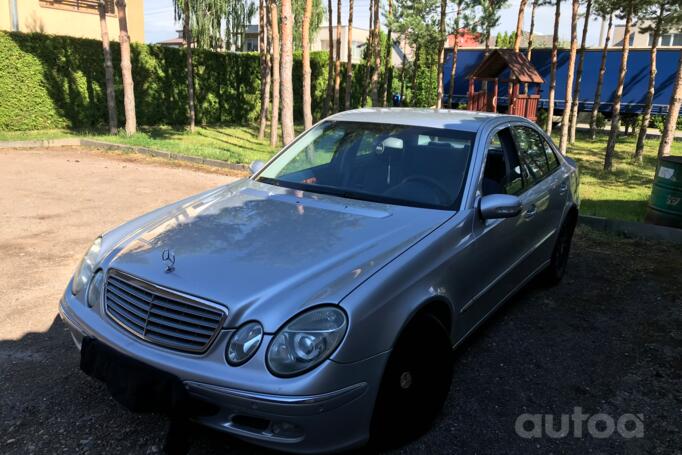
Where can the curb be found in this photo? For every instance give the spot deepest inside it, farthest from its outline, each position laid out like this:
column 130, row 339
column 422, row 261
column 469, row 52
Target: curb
column 632, row 229
column 124, row 148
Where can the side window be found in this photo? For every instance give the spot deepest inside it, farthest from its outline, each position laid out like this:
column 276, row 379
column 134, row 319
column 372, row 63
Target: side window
column 532, row 151
column 503, row 171
column 552, row 160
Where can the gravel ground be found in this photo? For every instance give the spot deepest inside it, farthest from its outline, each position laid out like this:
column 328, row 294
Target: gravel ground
column 607, row 340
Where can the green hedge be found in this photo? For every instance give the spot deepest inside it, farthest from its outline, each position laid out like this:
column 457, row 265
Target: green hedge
column 58, row 82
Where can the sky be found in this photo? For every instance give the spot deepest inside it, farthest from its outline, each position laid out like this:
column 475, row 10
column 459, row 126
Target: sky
column 160, row 24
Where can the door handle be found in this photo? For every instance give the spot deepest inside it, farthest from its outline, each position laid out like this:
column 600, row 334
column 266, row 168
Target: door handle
column 530, row 212
column 563, row 188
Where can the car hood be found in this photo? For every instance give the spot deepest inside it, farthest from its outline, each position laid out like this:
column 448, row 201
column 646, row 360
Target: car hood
column 267, row 252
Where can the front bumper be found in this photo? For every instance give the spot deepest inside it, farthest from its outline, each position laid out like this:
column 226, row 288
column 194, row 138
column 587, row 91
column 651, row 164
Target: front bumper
column 327, row 409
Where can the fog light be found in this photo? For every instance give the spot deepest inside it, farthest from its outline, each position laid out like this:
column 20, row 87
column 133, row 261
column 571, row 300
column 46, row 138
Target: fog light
column 286, row 429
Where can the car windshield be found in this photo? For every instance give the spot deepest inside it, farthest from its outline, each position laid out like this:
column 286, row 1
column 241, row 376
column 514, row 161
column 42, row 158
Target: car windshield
column 395, row 164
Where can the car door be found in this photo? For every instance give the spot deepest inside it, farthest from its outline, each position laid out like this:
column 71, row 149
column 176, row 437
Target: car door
column 545, row 194
column 496, row 258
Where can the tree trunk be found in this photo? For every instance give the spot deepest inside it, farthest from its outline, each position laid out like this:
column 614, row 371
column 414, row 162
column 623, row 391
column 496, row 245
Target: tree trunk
column 600, row 81
column 615, row 113
column 579, row 75
column 441, row 53
column 388, row 70
column 552, row 68
column 376, row 52
column 337, row 62
column 402, row 71
column 274, row 26
column 566, row 115
column 519, row 26
column 330, row 66
column 368, row 56
column 263, row 12
column 287, row 89
column 349, row 60
column 668, row 135
column 126, row 69
column 108, row 69
column 529, row 51
column 307, row 101
column 415, row 70
column 455, row 49
column 187, row 33
column 646, row 117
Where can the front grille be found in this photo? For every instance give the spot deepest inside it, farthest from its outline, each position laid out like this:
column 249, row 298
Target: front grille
column 161, row 316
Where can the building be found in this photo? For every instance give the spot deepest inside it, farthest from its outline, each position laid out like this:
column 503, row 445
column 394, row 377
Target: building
column 79, row 18
column 645, row 39
column 178, row 41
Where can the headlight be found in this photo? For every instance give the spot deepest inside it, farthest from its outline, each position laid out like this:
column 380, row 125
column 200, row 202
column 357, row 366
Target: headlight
column 244, row 343
column 95, row 289
column 306, row 341
column 86, row 267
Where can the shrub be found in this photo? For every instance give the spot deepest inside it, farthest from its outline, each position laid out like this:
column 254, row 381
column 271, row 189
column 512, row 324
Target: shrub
column 58, row 82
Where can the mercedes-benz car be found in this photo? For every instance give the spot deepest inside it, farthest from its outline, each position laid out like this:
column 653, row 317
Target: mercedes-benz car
column 315, row 305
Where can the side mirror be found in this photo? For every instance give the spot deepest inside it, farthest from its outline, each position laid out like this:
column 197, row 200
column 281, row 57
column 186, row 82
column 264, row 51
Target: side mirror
column 256, row 166
column 496, row 206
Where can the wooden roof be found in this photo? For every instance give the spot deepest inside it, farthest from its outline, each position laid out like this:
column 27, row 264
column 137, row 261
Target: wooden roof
column 520, row 68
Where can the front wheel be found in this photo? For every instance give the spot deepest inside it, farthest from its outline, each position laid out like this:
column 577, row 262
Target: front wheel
column 556, row 269
column 415, row 384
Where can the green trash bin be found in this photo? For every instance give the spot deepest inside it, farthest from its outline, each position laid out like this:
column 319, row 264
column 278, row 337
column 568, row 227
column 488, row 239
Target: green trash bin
column 665, row 204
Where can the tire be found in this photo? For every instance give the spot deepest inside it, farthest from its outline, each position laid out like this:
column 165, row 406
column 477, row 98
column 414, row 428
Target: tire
column 415, row 384
column 556, row 269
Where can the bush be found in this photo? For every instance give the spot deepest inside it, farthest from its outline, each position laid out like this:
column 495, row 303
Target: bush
column 542, row 118
column 58, row 82
column 600, row 121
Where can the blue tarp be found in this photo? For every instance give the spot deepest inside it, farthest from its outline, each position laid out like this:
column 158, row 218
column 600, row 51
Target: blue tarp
column 634, row 91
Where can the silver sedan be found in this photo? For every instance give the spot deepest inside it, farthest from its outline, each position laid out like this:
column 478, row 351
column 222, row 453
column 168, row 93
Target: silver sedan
column 315, row 305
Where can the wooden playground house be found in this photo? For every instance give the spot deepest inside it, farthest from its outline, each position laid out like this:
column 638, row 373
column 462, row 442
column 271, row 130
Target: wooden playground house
column 513, row 69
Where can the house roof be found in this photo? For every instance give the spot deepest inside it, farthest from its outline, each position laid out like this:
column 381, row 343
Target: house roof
column 520, row 68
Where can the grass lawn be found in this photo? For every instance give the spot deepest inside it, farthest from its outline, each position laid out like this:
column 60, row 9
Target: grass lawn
column 623, row 194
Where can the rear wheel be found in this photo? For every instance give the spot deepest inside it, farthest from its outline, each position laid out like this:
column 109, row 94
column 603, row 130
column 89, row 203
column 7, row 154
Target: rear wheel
column 415, row 384
column 556, row 269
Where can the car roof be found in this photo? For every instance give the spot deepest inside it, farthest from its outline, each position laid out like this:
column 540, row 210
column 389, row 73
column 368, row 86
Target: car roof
column 430, row 118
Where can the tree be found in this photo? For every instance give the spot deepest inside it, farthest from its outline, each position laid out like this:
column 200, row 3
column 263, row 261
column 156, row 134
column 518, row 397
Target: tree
column 183, row 12
column 628, row 8
column 605, row 11
column 314, row 22
column 330, row 65
column 566, row 115
column 529, row 51
column 126, row 69
column 579, row 74
column 668, row 135
column 369, row 46
column 238, row 15
column 274, row 123
column 337, row 60
column 519, row 26
column 388, row 70
column 489, row 18
column 441, row 52
column 455, row 48
column 108, row 68
column 349, row 60
column 552, row 67
column 376, row 53
column 659, row 18
column 287, row 62
column 305, row 42
column 264, row 35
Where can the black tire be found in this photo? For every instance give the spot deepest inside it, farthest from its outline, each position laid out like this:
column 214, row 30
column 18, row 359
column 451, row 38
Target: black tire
column 556, row 269
column 415, row 384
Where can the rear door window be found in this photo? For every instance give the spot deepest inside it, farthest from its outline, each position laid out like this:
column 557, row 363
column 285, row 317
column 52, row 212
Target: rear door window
column 532, row 152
